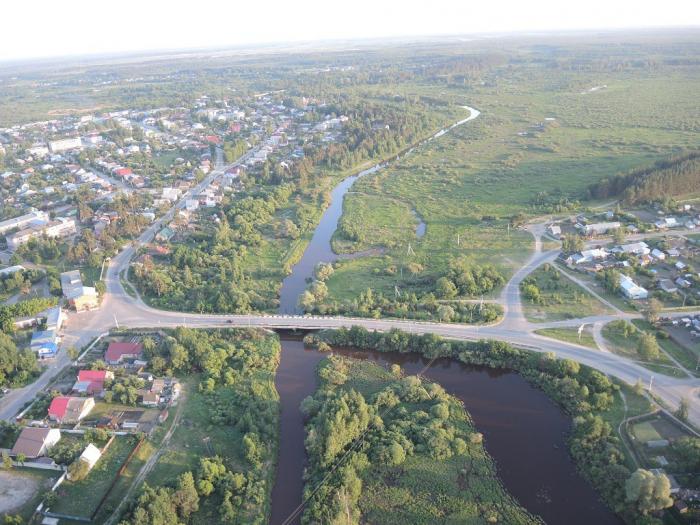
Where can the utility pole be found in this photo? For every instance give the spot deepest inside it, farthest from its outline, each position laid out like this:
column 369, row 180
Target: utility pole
column 651, row 380
column 458, row 239
column 115, row 320
column 410, row 250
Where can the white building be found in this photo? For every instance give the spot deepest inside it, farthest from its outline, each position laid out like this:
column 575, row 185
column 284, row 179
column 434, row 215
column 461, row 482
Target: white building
column 61, row 227
column 658, row 254
column 631, row 289
column 600, row 228
column 636, row 248
column 91, row 455
column 11, row 269
column 34, row 217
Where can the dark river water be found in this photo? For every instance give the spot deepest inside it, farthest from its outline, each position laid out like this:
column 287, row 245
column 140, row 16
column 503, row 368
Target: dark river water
column 524, row 431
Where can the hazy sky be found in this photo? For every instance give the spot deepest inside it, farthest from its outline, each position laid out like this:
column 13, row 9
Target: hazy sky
column 54, row 28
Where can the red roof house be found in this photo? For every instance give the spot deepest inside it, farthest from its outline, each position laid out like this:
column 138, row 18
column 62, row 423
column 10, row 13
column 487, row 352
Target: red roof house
column 65, row 409
column 213, row 139
column 58, row 407
column 92, row 381
column 117, row 352
column 123, row 172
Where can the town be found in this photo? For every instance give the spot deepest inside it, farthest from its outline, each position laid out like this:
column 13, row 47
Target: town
column 408, row 281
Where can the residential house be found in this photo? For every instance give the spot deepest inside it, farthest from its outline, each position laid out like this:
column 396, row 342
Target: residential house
column 35, row 442
column 150, row 399
column 554, row 230
column 68, row 410
column 636, row 248
column 118, row 352
column 631, row 289
column 658, row 254
column 587, row 256
column 92, row 382
column 667, row 286
column 55, row 318
column 600, row 228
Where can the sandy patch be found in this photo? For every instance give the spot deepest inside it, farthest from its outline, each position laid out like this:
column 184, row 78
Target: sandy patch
column 16, row 489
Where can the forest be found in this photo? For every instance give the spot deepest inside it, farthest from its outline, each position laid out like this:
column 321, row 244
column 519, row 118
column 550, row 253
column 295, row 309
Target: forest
column 671, row 177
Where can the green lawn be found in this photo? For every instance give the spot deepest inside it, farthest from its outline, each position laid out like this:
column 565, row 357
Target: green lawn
column 685, row 356
column 557, row 297
column 570, row 335
column 81, row 498
column 626, row 346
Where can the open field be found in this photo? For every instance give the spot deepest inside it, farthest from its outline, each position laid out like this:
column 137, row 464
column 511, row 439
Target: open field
column 472, row 180
column 549, row 296
column 627, row 345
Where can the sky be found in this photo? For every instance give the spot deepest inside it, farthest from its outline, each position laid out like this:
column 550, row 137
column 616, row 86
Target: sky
column 50, row 28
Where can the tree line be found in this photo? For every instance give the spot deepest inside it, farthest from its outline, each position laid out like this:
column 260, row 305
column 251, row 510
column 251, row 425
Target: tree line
column 677, row 175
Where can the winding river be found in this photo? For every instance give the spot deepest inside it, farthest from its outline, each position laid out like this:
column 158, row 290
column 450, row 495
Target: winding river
column 319, row 248
column 525, row 432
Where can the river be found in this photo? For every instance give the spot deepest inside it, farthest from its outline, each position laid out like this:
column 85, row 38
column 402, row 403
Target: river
column 524, row 431
column 319, row 248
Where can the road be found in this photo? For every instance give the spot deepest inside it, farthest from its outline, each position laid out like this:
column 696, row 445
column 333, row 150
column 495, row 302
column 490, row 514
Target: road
column 118, row 308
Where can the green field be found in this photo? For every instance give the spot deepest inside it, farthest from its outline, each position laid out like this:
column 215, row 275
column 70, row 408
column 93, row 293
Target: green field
column 453, row 480
column 472, row 180
column 570, row 335
column 627, row 345
column 81, row 498
column 554, row 297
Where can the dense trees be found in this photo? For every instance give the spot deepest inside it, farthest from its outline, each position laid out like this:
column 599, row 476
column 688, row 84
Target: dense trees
column 206, row 274
column 16, row 366
column 648, row 491
column 359, row 442
column 165, row 505
column 676, row 175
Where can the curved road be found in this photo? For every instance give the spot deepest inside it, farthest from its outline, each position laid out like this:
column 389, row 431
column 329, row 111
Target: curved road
column 118, row 308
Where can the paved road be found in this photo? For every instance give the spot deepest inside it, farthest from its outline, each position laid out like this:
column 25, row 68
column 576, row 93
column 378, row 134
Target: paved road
column 119, row 308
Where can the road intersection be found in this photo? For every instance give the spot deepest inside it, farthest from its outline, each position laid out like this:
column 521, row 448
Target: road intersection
column 121, row 309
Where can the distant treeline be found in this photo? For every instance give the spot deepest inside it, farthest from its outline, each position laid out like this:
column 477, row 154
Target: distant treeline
column 670, row 177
